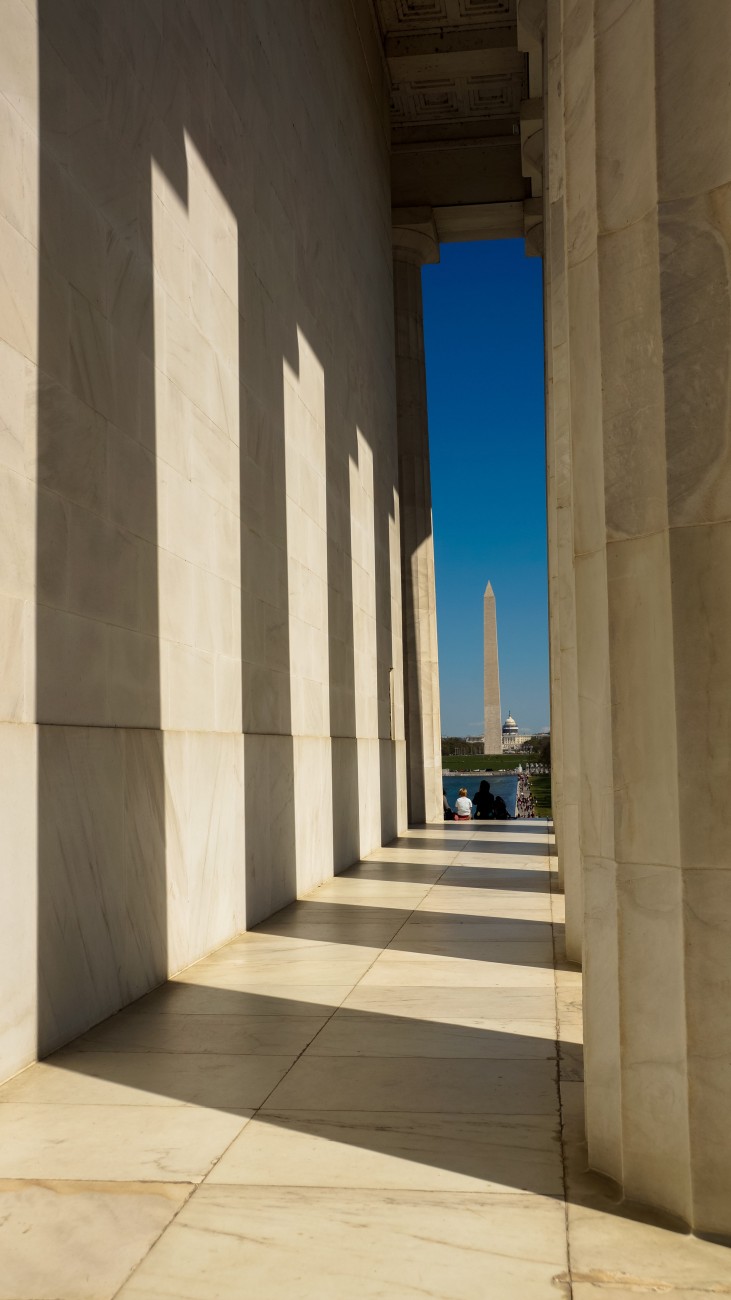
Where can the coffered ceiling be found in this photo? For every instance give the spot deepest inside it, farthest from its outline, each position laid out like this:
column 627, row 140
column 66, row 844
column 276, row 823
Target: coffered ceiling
column 460, row 85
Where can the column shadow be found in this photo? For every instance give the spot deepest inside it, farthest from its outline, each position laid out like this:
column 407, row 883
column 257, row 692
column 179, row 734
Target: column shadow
column 102, row 911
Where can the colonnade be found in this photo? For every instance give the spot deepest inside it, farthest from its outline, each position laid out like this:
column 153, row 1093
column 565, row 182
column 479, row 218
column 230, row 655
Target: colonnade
column 638, row 310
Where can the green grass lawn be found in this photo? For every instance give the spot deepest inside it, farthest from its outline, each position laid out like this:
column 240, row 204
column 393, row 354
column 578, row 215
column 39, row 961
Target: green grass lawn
column 485, row 762
column 541, row 790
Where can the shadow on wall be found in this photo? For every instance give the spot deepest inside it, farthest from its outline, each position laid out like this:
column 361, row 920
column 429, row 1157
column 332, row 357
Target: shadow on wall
column 102, row 922
column 131, row 850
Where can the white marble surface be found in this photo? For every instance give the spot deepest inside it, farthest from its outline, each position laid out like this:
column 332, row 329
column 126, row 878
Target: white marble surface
column 171, row 890
column 18, row 895
column 193, row 347
column 421, row 1240
column 646, row 261
column 229, row 1131
column 395, row 1151
column 57, row 1234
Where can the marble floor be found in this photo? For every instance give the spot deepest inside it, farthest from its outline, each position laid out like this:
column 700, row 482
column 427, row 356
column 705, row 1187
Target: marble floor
column 377, row 1093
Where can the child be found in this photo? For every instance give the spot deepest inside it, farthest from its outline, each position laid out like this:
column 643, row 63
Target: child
column 463, row 807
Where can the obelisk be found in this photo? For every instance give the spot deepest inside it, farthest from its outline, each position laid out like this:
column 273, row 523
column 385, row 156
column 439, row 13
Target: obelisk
column 493, row 721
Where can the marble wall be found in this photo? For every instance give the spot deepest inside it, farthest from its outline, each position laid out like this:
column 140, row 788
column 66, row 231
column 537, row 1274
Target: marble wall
column 201, row 698
column 646, row 131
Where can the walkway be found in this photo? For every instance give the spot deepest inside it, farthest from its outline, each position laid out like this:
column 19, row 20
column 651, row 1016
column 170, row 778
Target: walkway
column 375, row 1094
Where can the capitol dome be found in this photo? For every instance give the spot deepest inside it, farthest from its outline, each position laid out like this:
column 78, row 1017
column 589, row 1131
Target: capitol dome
column 510, row 724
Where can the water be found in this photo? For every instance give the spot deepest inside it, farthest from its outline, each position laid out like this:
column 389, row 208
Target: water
column 506, row 785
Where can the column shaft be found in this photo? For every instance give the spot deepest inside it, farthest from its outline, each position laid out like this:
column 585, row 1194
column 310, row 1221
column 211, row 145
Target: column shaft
column 596, row 794
column 655, row 1155
column 648, row 250
column 562, row 608
column 693, row 150
column 421, row 670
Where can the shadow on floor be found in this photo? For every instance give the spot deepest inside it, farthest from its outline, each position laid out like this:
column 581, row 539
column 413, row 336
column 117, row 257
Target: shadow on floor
column 526, row 848
column 476, row 1099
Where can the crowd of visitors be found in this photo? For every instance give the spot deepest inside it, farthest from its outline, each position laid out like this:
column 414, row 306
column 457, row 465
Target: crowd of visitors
column 524, row 806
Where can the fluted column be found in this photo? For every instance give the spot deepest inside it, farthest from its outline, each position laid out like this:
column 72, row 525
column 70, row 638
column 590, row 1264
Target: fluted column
column 596, row 791
column 654, row 1097
column 565, row 749
column 693, row 149
column 414, row 243
column 648, row 250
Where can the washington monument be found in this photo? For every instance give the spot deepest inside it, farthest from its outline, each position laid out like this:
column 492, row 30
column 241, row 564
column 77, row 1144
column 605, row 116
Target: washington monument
column 493, row 726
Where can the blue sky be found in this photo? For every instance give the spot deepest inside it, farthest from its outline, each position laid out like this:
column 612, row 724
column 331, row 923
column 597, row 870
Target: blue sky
column 483, row 323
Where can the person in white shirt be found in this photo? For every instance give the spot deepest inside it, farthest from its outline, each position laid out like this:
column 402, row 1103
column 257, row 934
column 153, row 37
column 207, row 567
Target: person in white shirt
column 463, row 807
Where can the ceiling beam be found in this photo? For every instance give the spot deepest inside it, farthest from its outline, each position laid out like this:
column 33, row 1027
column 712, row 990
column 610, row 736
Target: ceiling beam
column 457, row 41
column 457, row 63
column 479, row 221
column 474, row 172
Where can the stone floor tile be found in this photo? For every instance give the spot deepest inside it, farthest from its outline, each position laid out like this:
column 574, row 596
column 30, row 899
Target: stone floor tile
column 191, row 998
column 501, row 861
column 520, row 952
column 79, row 1241
column 571, row 1061
column 149, row 1078
column 571, row 1030
column 341, row 927
column 139, row 1031
column 605, row 1291
column 254, row 942
column 383, row 1035
column 370, row 1149
column 110, row 1143
column 335, row 1244
column 455, row 1006
column 525, row 1087
column 490, row 931
column 496, row 877
column 234, row 975
column 613, row 1249
column 370, row 893
column 485, row 903
column 398, row 872
column 409, row 968
column 423, row 840
column 436, row 856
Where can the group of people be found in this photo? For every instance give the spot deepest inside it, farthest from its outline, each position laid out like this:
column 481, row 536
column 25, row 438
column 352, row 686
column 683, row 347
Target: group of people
column 524, row 806
column 484, row 807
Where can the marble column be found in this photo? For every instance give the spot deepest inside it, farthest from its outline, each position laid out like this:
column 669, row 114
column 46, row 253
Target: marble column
column 565, row 748
column 693, row 150
column 654, row 1097
column 596, row 782
column 414, row 243
column 647, row 132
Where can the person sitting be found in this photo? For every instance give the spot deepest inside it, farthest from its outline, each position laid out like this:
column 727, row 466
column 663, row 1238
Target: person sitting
column 484, row 802
column 501, row 813
column 463, row 807
column 448, row 814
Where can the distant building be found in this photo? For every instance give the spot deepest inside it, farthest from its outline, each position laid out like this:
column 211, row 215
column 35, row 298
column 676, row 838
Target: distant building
column 513, row 737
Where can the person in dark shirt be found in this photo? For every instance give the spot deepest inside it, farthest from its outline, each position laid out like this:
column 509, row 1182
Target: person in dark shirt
column 484, row 802
column 501, row 813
